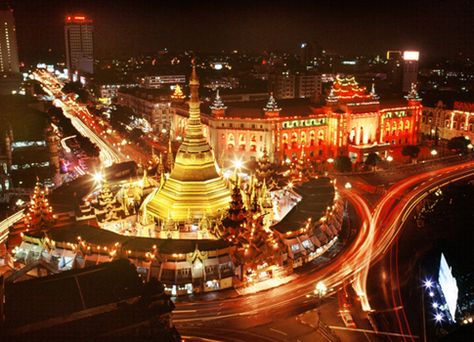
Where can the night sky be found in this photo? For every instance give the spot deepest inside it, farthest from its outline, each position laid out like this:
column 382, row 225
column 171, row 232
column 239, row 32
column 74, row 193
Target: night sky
column 437, row 28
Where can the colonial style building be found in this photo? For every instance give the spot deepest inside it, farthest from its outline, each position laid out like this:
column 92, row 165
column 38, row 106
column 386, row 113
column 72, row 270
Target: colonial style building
column 444, row 123
column 353, row 121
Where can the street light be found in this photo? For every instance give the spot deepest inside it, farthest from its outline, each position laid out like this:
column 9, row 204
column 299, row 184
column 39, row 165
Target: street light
column 98, row 177
column 237, row 164
column 434, row 153
column 389, row 158
column 320, row 289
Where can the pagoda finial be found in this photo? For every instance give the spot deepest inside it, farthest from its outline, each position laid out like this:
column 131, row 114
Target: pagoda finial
column 170, row 158
column 373, row 93
column 217, row 104
column 178, row 93
column 413, row 94
column 193, row 80
column 271, row 105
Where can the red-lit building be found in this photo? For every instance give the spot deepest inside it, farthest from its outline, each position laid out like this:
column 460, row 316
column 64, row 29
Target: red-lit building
column 78, row 35
column 353, row 122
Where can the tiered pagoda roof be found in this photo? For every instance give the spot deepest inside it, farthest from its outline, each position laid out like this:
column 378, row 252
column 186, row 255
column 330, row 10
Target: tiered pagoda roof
column 194, row 189
column 346, row 89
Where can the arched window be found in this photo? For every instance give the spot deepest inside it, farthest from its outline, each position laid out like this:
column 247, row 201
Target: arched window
column 320, row 137
column 253, row 143
column 284, row 141
column 303, row 139
column 312, row 138
column 400, row 125
column 230, row 142
column 242, row 142
column 407, row 125
column 294, row 140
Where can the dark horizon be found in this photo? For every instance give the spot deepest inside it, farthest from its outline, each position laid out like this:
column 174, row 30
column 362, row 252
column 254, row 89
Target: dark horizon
column 441, row 29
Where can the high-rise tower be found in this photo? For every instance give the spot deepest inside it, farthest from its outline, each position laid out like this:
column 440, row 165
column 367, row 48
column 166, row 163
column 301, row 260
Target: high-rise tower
column 410, row 69
column 194, row 189
column 8, row 46
column 78, row 34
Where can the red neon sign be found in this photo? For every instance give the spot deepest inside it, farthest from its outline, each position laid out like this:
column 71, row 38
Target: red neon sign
column 464, row 106
column 76, row 18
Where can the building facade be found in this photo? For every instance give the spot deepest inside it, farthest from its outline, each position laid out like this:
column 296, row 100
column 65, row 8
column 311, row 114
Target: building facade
column 353, row 122
column 152, row 104
column 410, row 69
column 160, row 81
column 443, row 123
column 78, row 34
column 8, row 45
column 287, row 85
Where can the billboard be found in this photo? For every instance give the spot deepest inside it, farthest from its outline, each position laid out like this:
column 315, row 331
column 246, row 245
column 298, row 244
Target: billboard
column 411, row 55
column 448, row 286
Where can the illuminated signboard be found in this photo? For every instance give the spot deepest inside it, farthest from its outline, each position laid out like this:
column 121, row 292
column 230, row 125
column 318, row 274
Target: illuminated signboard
column 464, row 106
column 411, row 55
column 304, row 123
column 448, row 285
column 396, row 114
column 76, row 18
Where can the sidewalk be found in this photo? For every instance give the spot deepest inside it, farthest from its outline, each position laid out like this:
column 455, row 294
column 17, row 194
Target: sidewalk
column 265, row 285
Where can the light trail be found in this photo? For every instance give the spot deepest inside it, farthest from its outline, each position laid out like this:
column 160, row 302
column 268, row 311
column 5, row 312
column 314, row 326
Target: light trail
column 344, row 266
column 72, row 110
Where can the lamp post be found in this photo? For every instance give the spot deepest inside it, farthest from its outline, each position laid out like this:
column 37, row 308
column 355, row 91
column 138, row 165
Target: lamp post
column 320, row 290
column 389, row 159
column 434, row 153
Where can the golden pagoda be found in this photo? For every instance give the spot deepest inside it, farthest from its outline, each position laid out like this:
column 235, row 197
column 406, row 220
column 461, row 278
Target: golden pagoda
column 194, row 189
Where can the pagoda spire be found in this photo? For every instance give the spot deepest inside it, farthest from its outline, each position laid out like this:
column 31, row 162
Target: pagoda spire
column 373, row 93
column 217, row 104
column 178, row 93
column 169, row 157
column 331, row 97
column 413, row 94
column 39, row 214
column 194, row 182
column 271, row 105
column 145, row 182
column 194, row 134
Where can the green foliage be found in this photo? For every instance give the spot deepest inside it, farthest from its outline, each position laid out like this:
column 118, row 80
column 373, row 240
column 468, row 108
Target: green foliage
column 121, row 117
column 459, row 144
column 343, row 164
column 372, row 159
column 411, row 151
column 76, row 88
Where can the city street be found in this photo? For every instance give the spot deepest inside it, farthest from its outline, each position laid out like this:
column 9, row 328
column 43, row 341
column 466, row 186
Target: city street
column 376, row 235
column 113, row 148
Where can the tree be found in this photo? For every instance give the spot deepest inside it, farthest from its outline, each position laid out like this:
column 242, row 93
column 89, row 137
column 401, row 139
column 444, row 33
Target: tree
column 76, row 88
column 39, row 214
column 372, row 159
column 343, row 164
column 411, row 151
column 459, row 144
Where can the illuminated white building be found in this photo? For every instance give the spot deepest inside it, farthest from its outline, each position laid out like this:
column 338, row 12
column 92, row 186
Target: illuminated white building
column 8, row 45
column 447, row 123
column 78, row 34
column 410, row 69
